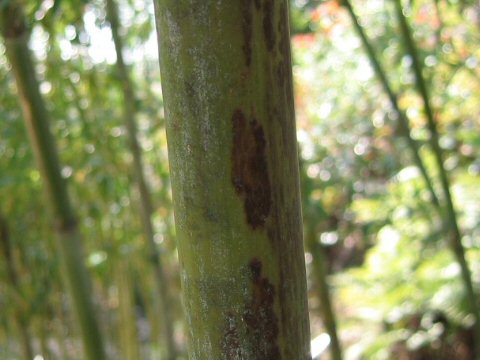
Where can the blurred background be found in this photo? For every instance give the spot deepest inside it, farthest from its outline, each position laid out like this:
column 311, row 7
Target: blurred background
column 380, row 234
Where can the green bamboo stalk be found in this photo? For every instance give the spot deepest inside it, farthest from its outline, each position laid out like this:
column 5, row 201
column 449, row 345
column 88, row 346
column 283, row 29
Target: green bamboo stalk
column 62, row 329
column 455, row 240
column 127, row 326
column 12, row 279
column 37, row 121
column 152, row 311
column 146, row 206
column 319, row 262
column 87, row 133
column 392, row 96
column 227, row 85
column 43, row 337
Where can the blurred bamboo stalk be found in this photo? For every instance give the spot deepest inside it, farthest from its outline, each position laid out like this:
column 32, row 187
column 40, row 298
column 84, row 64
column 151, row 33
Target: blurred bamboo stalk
column 319, row 262
column 12, row 278
column 455, row 238
column 128, row 334
column 401, row 116
column 146, row 207
column 37, row 120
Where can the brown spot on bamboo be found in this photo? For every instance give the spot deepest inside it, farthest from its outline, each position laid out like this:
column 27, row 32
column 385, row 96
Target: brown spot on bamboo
column 249, row 168
column 66, row 225
column 247, row 17
column 259, row 316
column 280, row 73
column 282, row 27
column 14, row 26
column 268, row 28
column 284, row 50
column 231, row 349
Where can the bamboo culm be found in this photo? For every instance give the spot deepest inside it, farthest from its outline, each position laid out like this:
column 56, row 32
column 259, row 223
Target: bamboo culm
column 393, row 98
column 12, row 278
column 146, row 207
column 227, row 87
column 455, row 238
column 37, row 120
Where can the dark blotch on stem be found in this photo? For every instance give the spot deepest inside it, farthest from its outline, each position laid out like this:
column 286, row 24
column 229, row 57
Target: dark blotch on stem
column 249, row 169
column 247, row 30
column 280, row 73
column 231, row 349
column 284, row 50
column 260, row 318
column 268, row 28
column 66, row 226
column 13, row 25
column 255, row 269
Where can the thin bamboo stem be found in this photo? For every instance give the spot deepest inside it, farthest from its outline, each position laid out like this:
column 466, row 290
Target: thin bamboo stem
column 320, row 271
column 146, row 206
column 128, row 334
column 12, row 279
column 37, row 122
column 455, row 238
column 401, row 116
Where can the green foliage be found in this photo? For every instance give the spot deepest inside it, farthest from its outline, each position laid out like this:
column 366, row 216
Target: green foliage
column 351, row 146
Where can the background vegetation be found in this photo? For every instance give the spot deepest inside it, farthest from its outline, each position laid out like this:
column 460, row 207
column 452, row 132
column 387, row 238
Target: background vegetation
column 383, row 243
